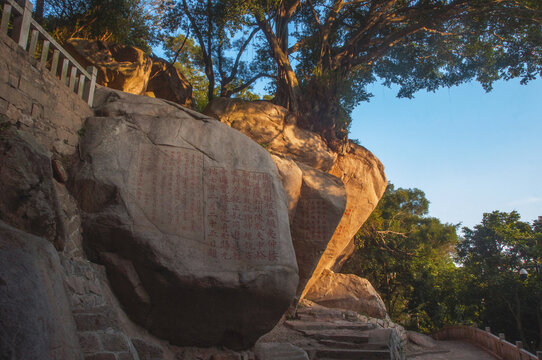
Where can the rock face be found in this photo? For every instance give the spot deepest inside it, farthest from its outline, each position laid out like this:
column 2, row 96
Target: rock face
column 272, row 127
column 356, row 177
column 27, row 199
column 347, row 291
column 365, row 182
column 321, row 205
column 35, row 316
column 190, row 219
column 168, row 83
column 119, row 67
column 129, row 69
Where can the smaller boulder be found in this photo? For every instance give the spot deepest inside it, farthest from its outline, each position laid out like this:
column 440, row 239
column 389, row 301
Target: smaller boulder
column 120, row 67
column 421, row 339
column 168, row 83
column 292, row 178
column 347, row 291
column 35, row 317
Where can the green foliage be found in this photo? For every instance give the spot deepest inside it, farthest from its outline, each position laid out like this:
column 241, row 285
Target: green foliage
column 406, row 256
column 493, row 252
column 130, row 22
column 188, row 58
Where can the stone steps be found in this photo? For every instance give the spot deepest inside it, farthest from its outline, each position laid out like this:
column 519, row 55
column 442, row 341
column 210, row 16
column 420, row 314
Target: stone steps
column 325, row 325
column 351, row 336
column 351, row 354
column 348, row 345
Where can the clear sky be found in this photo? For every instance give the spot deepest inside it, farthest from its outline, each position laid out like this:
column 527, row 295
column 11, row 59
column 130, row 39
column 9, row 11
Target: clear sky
column 470, row 152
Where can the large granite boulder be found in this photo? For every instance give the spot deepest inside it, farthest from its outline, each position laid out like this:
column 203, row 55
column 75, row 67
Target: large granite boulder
column 292, row 179
column 320, row 208
column 120, row 67
column 347, row 291
column 168, row 83
column 131, row 70
column 361, row 173
column 363, row 176
column 273, row 127
column 190, row 219
column 35, row 316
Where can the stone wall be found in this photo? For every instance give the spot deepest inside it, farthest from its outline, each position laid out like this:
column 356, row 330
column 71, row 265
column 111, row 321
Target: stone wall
column 34, row 100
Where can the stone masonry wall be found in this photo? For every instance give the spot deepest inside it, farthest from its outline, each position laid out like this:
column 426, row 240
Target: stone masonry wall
column 33, row 99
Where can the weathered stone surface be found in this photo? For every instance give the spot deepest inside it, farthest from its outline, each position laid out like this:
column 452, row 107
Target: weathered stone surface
column 35, row 318
column 27, row 199
column 347, row 291
column 321, row 205
column 292, row 178
column 198, row 210
column 147, row 351
column 421, row 339
column 273, row 127
column 167, row 82
column 365, row 182
column 119, row 67
column 360, row 171
column 279, row 351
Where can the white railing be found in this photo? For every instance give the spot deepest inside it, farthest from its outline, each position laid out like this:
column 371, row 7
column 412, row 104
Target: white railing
column 496, row 345
column 30, row 36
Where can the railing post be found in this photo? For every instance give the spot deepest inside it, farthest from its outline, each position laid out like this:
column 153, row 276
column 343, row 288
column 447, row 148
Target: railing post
column 501, row 344
column 92, row 86
column 33, row 43
column 519, row 346
column 21, row 24
column 539, row 355
column 54, row 63
column 45, row 52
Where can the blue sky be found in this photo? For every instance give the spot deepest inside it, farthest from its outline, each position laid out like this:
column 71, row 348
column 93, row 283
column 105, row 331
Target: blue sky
column 471, row 152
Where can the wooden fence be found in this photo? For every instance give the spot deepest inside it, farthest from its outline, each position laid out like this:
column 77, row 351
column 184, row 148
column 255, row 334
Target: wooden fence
column 496, row 345
column 28, row 34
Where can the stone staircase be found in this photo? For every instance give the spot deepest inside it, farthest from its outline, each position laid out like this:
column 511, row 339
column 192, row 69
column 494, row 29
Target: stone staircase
column 327, row 334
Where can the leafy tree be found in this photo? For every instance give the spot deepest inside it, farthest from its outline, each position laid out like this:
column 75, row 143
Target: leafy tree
column 188, row 58
column 222, row 42
column 494, row 252
column 323, row 53
column 131, row 22
column 406, row 256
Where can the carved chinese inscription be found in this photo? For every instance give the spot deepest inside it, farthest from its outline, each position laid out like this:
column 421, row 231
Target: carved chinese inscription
column 168, row 187
column 313, row 223
column 240, row 216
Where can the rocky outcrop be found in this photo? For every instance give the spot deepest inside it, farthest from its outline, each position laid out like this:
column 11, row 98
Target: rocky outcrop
column 347, row 291
column 125, row 68
column 365, row 182
column 274, row 128
column 131, row 70
column 321, row 205
column 292, row 179
column 190, row 219
column 355, row 176
column 36, row 321
column 27, row 199
column 168, row 83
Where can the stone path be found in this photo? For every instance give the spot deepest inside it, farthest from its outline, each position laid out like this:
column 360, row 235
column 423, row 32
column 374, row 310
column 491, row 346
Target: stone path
column 452, row 350
column 329, row 334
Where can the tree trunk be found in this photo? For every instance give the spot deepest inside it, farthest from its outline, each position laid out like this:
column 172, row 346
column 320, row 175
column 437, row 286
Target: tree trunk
column 38, row 11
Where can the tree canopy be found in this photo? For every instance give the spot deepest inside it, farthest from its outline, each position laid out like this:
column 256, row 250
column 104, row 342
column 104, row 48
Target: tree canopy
column 406, row 255
column 321, row 54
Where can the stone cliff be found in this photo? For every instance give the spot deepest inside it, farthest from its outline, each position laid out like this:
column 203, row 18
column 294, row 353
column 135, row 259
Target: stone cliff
column 141, row 229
